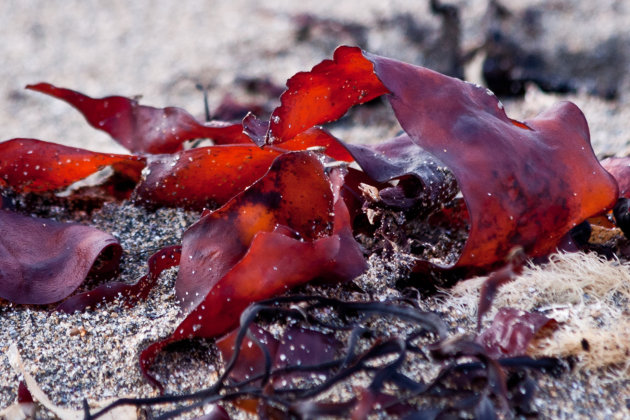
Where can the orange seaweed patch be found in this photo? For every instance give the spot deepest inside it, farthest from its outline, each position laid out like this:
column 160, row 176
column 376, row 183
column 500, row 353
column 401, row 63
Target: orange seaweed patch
column 324, row 94
column 205, row 177
column 295, row 193
column 208, row 177
column 306, row 234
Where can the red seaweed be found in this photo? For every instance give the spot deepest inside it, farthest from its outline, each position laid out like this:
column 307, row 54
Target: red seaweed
column 511, row 332
column 281, row 219
column 129, row 293
column 517, row 178
column 251, row 360
column 323, row 94
column 205, row 177
column 422, row 178
column 296, row 347
column 318, row 137
column 29, row 165
column 619, row 168
column 220, row 239
column 141, row 128
column 276, row 232
column 43, row 261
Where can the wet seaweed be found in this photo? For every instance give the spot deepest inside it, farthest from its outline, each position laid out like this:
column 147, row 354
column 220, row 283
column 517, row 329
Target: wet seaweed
column 469, row 379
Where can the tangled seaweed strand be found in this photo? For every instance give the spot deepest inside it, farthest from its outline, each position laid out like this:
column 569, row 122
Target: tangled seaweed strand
column 469, row 381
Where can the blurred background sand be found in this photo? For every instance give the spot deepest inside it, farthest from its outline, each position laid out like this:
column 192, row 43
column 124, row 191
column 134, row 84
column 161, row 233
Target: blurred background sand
column 161, row 49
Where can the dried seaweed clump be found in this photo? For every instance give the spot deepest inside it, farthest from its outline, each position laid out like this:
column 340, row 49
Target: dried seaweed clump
column 585, row 293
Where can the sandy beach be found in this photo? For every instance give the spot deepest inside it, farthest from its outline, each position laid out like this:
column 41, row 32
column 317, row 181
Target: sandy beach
column 161, row 51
